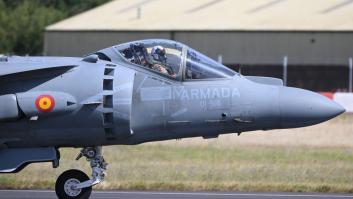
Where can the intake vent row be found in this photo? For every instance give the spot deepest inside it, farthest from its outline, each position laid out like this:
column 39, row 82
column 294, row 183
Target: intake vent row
column 108, row 113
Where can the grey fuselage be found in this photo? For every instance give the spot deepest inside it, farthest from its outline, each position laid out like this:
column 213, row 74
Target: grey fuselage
column 110, row 103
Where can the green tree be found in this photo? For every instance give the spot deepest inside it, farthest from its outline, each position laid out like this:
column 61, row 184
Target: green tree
column 5, row 44
column 22, row 22
column 31, row 19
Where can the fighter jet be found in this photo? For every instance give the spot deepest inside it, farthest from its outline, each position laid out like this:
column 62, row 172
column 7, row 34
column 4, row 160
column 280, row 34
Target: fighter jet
column 132, row 93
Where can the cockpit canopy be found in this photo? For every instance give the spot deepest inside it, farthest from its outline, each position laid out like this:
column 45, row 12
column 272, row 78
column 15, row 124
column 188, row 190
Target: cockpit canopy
column 199, row 66
column 164, row 57
column 172, row 59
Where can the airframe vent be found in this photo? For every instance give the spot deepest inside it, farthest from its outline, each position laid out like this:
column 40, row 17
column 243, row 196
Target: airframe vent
column 109, row 71
column 108, row 84
column 4, row 59
column 108, row 119
column 108, row 101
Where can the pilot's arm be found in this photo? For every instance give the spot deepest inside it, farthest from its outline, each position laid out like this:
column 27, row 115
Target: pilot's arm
column 160, row 68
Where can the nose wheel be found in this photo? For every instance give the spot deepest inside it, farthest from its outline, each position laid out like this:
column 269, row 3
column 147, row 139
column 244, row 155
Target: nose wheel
column 65, row 185
column 75, row 184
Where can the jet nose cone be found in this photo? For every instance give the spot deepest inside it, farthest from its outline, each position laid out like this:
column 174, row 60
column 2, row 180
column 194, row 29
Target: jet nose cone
column 299, row 108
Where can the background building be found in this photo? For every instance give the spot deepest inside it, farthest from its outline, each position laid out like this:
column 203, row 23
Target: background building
column 316, row 36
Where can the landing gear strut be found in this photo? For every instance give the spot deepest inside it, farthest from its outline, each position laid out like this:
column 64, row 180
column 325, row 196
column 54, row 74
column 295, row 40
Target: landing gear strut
column 74, row 184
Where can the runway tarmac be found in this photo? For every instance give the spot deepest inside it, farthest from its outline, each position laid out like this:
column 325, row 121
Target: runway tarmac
column 47, row 194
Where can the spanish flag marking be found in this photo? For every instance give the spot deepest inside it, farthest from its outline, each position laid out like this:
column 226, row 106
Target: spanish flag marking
column 45, row 103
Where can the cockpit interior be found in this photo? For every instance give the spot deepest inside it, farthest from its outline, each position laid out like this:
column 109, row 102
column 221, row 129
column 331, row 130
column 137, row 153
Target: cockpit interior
column 171, row 59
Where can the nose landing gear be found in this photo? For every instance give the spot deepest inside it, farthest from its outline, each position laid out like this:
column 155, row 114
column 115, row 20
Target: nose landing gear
column 75, row 184
column 64, row 186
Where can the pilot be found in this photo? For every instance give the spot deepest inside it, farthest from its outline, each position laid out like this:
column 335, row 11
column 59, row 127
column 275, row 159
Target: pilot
column 159, row 64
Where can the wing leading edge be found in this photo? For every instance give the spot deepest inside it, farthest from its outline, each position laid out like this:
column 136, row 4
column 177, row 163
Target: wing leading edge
column 20, row 65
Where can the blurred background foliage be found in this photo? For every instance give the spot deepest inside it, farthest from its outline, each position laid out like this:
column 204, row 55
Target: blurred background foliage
column 22, row 22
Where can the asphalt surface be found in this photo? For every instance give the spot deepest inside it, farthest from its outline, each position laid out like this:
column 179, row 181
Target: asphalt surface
column 41, row 194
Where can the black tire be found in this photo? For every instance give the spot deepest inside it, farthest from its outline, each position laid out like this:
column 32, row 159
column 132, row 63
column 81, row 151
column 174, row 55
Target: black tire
column 68, row 176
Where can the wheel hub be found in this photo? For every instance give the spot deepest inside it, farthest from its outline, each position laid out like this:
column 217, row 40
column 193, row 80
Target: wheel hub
column 69, row 187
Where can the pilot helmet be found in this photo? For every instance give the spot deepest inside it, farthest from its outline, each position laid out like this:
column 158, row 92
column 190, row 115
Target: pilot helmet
column 158, row 54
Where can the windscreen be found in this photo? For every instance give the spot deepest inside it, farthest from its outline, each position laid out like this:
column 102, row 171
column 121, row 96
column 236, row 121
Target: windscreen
column 199, row 66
